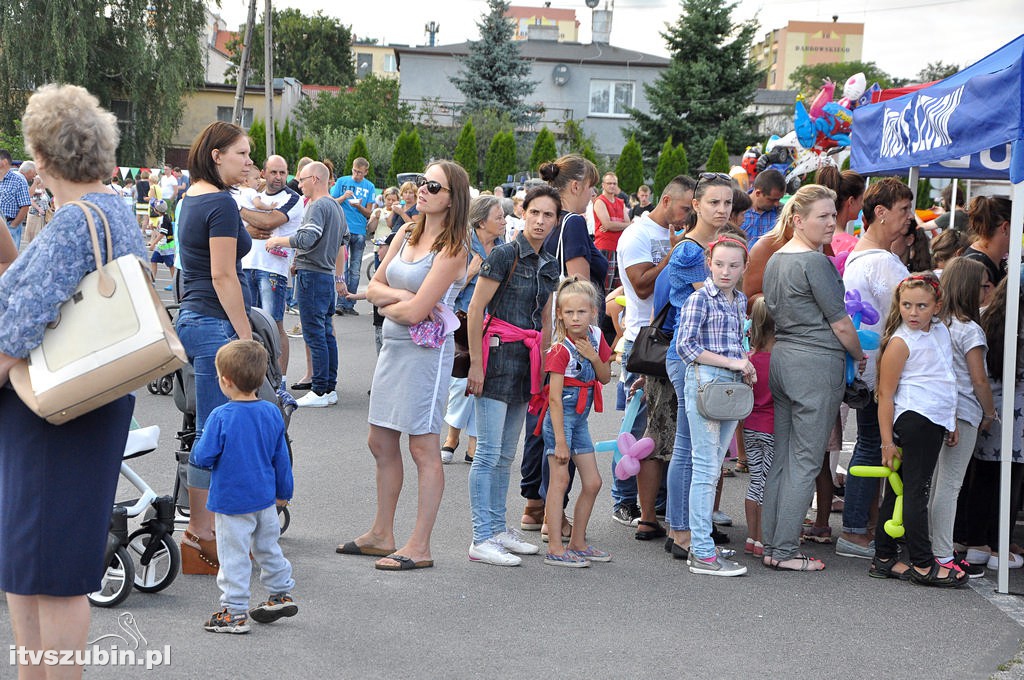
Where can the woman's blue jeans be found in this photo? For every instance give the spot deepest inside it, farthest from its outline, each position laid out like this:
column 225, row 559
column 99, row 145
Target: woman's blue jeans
column 202, row 336
column 680, row 468
column 498, row 427
column 709, row 441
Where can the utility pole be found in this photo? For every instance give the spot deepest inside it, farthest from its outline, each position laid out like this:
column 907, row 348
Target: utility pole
column 243, row 68
column 268, row 77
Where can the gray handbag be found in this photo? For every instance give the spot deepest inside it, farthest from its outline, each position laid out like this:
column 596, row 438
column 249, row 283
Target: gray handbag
column 723, row 400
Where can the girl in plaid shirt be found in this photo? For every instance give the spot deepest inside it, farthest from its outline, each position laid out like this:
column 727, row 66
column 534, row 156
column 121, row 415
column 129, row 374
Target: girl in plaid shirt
column 711, row 335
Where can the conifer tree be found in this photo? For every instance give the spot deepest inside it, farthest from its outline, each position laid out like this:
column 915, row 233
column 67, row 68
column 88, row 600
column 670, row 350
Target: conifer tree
column 718, row 159
column 501, row 159
column 358, row 150
column 466, row 151
column 630, row 168
column 544, row 149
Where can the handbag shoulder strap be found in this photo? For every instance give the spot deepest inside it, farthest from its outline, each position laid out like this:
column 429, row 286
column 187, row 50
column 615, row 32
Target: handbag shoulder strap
column 560, row 253
column 106, row 283
column 504, row 286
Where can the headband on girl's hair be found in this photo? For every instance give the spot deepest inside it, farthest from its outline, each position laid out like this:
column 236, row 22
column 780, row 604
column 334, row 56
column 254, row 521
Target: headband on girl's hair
column 723, row 239
column 930, row 280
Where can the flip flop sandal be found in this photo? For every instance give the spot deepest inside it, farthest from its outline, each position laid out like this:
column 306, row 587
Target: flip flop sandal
column 741, row 467
column 657, row 531
column 351, row 548
column 806, row 564
column 404, row 563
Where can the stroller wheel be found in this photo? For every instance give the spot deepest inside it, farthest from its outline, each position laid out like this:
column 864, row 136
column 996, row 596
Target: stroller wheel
column 162, row 565
column 154, row 387
column 166, row 384
column 117, row 581
column 284, row 517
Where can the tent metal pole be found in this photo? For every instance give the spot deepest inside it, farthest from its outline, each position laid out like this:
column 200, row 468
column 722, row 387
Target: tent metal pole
column 968, row 194
column 913, row 176
column 952, row 207
column 1009, row 381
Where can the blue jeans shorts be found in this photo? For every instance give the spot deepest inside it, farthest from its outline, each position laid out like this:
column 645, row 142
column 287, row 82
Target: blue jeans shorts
column 577, row 432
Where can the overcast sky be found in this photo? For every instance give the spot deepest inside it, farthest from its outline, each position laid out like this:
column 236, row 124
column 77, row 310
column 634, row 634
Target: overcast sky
column 901, row 36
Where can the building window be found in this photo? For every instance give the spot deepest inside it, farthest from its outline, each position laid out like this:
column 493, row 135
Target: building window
column 390, row 66
column 775, row 56
column 225, row 115
column 611, row 97
column 773, row 77
column 364, row 64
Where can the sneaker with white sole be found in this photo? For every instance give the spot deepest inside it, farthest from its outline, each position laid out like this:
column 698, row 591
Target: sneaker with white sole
column 847, row 548
column 594, row 554
column 492, row 552
column 976, row 556
column 715, row 566
column 332, row 397
column 566, row 559
column 514, row 542
column 627, row 514
column 225, row 622
column 313, row 400
column 719, row 517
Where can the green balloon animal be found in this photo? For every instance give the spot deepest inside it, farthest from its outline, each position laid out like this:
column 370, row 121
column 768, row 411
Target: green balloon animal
column 894, row 526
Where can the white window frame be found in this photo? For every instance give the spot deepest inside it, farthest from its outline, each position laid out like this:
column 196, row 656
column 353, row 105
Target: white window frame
column 608, row 85
column 247, row 113
column 390, row 63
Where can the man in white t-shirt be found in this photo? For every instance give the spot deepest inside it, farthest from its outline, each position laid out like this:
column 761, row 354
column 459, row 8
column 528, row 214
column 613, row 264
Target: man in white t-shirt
column 169, row 188
column 277, row 211
column 643, row 250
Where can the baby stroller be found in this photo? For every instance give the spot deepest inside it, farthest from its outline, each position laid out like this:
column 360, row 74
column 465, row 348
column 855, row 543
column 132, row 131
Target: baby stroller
column 264, row 331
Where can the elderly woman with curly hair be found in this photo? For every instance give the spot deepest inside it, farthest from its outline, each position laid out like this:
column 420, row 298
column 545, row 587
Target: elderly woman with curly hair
column 57, row 483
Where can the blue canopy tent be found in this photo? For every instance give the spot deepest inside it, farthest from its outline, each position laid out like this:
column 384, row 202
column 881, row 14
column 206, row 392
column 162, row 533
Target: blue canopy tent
column 970, row 126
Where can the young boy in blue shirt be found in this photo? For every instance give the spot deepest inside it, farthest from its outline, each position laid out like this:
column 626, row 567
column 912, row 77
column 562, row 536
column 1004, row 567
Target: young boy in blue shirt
column 244, row 445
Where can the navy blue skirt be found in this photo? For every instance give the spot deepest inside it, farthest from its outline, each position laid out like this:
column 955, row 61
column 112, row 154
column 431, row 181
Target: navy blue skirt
column 57, row 486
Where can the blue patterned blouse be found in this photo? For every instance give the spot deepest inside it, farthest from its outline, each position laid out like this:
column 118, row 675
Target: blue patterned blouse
column 46, row 273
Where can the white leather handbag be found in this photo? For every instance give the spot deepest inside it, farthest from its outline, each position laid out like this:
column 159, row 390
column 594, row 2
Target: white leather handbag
column 110, row 338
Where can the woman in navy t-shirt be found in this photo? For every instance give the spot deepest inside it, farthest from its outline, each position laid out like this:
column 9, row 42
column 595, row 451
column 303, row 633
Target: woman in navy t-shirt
column 214, row 302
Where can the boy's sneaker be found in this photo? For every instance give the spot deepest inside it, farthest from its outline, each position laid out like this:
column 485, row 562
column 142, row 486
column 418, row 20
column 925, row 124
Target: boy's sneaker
column 277, row 607
column 627, row 514
column 224, row 622
column 594, row 554
column 716, row 566
column 514, row 542
column 566, row 559
column 492, row 552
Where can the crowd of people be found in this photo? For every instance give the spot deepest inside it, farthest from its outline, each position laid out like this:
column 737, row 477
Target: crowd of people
column 746, row 285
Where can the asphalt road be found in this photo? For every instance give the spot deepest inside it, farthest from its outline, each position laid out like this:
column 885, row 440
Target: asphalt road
column 642, row 615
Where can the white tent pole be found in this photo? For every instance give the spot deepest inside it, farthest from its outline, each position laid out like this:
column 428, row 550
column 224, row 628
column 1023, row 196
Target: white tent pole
column 1009, row 382
column 968, row 194
column 952, row 204
column 913, row 176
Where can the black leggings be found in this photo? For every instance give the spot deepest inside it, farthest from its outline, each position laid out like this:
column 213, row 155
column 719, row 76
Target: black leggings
column 921, row 441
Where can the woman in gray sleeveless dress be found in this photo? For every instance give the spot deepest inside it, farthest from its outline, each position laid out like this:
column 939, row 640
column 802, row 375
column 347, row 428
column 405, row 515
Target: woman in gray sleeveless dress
column 410, row 384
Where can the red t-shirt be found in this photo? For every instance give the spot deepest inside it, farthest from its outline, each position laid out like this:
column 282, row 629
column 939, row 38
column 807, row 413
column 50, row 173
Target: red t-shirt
column 609, row 240
column 762, row 418
column 559, row 356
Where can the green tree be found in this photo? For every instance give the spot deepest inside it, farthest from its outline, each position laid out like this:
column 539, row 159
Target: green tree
column 315, row 49
column 718, row 159
column 708, row 85
column 372, row 101
column 307, row 149
column 666, row 168
column 544, row 149
column 14, row 141
column 258, row 139
column 807, row 79
column 501, row 159
column 466, row 152
column 286, row 143
column 575, row 140
column 408, row 154
column 359, row 149
column 630, row 167
column 936, row 70
column 139, row 63
column 680, row 161
column 494, row 75
column 336, row 142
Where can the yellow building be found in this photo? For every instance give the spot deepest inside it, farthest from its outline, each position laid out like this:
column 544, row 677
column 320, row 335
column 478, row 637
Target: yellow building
column 376, row 59
column 545, row 19
column 783, row 50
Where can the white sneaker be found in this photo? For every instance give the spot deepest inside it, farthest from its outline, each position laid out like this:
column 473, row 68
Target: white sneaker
column 332, row 397
column 492, row 552
column 313, row 400
column 978, row 556
column 1015, row 561
column 514, row 542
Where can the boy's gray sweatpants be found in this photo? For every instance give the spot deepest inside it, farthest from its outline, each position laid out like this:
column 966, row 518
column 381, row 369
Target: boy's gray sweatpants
column 237, row 536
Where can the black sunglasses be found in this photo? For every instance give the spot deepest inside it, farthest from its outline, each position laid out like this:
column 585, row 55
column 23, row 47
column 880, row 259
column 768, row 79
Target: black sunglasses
column 432, row 186
column 709, row 176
